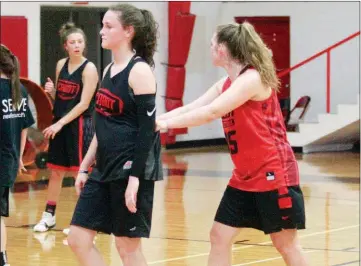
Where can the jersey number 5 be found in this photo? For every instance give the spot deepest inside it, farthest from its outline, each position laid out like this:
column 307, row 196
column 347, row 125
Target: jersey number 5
column 232, row 144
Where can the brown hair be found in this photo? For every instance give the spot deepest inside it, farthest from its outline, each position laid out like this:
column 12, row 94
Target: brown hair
column 145, row 29
column 9, row 65
column 246, row 46
column 67, row 29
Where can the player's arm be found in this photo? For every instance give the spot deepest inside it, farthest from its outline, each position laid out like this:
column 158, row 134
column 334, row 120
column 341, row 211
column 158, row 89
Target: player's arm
column 244, row 88
column 90, row 80
column 27, row 122
column 212, row 93
column 24, row 134
column 59, row 66
column 142, row 81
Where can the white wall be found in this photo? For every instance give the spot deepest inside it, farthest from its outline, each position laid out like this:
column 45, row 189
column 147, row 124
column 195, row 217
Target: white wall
column 314, row 27
column 31, row 10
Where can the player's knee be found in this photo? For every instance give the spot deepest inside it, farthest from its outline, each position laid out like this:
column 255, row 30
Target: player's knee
column 127, row 246
column 285, row 244
column 217, row 238
column 77, row 242
column 57, row 174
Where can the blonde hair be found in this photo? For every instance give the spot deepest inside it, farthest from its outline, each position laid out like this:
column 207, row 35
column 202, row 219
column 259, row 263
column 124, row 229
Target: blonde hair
column 246, row 46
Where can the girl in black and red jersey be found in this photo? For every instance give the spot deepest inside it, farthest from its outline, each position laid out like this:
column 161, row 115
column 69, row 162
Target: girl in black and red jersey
column 117, row 197
column 263, row 192
column 72, row 129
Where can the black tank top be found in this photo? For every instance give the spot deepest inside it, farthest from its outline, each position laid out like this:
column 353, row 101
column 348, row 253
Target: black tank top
column 68, row 91
column 116, row 128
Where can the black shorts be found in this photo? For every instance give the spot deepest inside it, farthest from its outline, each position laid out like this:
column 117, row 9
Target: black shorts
column 68, row 148
column 101, row 207
column 269, row 211
column 4, row 201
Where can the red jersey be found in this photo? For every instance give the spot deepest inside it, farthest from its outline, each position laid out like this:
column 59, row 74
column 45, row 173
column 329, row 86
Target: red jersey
column 257, row 140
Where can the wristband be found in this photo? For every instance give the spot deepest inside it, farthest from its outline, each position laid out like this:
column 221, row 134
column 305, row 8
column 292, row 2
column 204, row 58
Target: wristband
column 83, row 172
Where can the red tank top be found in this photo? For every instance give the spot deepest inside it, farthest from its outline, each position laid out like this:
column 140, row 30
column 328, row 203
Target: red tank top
column 262, row 156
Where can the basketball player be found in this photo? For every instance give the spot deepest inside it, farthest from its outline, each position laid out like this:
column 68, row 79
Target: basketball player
column 72, row 129
column 263, row 192
column 15, row 119
column 117, row 198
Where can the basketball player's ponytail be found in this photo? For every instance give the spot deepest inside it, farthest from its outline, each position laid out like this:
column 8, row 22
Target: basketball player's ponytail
column 147, row 42
column 64, row 31
column 144, row 41
column 246, row 46
column 9, row 66
column 15, row 82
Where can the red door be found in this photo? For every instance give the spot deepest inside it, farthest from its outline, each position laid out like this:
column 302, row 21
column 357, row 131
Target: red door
column 275, row 32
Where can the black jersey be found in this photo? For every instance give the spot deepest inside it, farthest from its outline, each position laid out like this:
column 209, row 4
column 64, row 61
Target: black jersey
column 69, row 88
column 116, row 128
column 12, row 121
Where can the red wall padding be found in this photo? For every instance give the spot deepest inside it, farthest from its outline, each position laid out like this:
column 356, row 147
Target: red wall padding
column 177, row 131
column 171, row 104
column 175, row 82
column 180, row 39
column 180, row 28
column 175, row 8
column 14, row 34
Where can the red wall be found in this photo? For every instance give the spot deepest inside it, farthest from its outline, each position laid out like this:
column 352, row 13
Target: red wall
column 14, row 34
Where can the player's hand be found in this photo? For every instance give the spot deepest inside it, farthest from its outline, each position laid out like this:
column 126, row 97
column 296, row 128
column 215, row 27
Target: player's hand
column 49, row 86
column 80, row 182
column 21, row 166
column 161, row 125
column 51, row 131
column 131, row 194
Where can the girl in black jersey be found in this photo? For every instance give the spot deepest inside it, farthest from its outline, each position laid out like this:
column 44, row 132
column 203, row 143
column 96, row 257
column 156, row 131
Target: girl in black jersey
column 117, row 198
column 72, row 129
column 15, row 119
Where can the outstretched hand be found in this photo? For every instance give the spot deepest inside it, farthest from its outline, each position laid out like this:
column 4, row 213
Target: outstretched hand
column 161, row 125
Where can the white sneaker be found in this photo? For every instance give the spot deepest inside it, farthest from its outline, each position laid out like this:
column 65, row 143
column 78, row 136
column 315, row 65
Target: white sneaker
column 66, row 231
column 47, row 222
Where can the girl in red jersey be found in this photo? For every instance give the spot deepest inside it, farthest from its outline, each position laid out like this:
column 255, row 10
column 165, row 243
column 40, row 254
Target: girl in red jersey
column 263, row 192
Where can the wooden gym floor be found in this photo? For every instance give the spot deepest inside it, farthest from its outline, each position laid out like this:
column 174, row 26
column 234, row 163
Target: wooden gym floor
column 185, row 204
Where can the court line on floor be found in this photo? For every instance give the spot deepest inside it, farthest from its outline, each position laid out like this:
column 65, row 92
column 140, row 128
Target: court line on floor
column 346, row 263
column 270, row 259
column 349, row 250
column 263, row 243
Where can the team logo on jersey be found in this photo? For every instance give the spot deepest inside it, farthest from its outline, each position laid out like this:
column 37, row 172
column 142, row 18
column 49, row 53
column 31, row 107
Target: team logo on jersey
column 228, row 120
column 108, row 103
column 270, row 176
column 67, row 90
column 127, row 165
